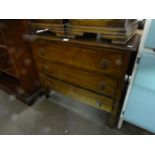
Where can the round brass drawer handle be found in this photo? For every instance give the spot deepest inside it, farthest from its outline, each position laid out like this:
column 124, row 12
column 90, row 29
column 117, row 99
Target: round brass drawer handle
column 42, row 51
column 104, row 63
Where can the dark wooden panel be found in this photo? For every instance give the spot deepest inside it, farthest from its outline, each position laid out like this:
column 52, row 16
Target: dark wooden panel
column 17, row 60
column 7, row 63
column 21, row 53
column 2, row 39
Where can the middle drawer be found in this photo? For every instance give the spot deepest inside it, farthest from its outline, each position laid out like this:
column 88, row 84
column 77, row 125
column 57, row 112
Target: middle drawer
column 91, row 81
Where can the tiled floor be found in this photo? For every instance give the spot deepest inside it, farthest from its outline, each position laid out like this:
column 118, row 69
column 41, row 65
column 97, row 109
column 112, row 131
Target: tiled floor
column 56, row 115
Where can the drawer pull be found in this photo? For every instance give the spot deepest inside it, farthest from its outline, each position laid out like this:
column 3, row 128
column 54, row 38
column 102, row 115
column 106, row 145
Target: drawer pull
column 102, row 86
column 104, row 63
column 42, row 52
column 45, row 69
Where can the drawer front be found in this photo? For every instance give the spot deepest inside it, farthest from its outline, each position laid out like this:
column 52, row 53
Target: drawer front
column 101, row 60
column 84, row 96
column 95, row 82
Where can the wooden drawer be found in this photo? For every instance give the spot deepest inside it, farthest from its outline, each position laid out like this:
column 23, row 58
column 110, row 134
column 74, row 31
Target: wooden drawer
column 95, row 59
column 85, row 96
column 95, row 82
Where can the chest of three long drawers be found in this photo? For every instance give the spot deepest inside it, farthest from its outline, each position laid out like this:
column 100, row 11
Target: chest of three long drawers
column 91, row 74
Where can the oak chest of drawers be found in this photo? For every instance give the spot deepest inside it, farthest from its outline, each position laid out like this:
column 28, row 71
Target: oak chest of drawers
column 91, row 72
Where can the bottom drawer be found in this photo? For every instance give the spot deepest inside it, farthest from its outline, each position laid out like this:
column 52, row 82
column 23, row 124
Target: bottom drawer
column 84, row 96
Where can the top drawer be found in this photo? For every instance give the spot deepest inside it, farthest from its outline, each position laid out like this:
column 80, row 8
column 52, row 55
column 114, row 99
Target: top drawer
column 95, row 59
